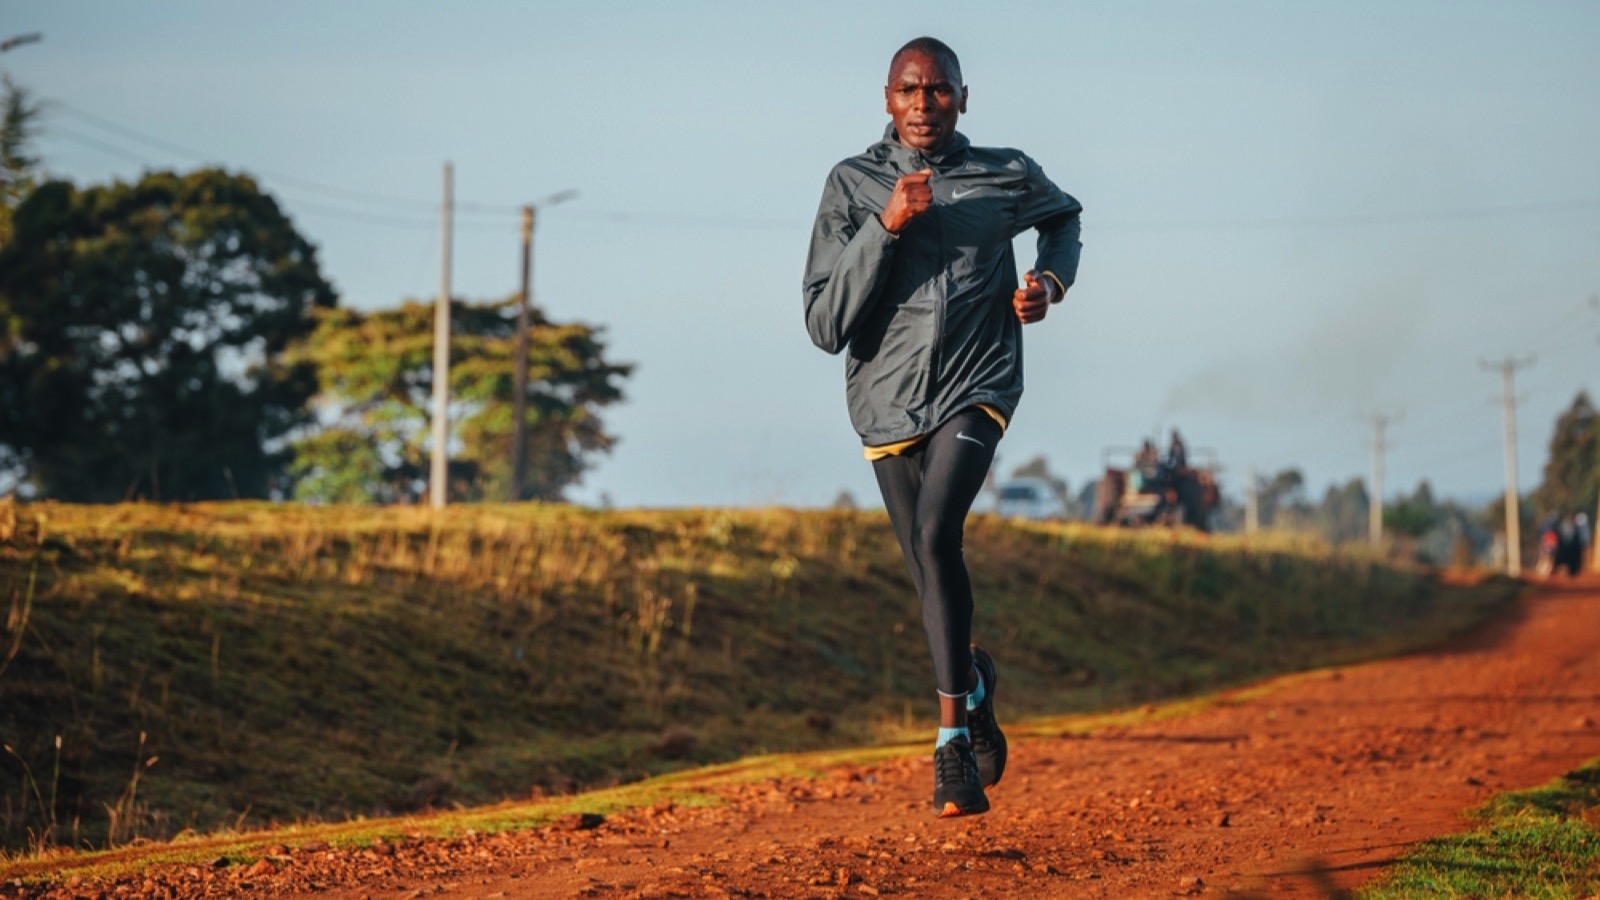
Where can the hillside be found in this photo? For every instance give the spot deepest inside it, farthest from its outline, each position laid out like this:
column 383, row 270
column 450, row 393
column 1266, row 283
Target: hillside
column 218, row 666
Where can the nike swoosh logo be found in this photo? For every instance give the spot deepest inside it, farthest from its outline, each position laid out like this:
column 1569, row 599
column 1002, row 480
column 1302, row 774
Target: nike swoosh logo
column 957, row 194
column 963, row 436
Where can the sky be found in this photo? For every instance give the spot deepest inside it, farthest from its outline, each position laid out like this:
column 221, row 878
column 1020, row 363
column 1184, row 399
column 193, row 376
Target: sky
column 1299, row 216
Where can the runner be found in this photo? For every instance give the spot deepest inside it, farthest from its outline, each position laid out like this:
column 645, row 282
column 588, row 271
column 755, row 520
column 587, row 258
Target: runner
column 911, row 271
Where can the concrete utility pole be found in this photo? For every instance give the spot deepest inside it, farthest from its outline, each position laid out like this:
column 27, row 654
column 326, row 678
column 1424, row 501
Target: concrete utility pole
column 1594, row 524
column 1508, row 368
column 519, row 400
column 1252, row 509
column 519, row 389
column 439, row 463
column 1375, row 502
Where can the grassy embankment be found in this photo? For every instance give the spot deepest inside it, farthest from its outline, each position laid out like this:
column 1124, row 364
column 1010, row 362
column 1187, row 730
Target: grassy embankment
column 1542, row 842
column 216, row 667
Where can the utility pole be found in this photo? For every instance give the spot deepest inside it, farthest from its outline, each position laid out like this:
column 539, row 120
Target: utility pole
column 439, row 463
column 1594, row 524
column 519, row 397
column 519, row 400
column 1252, row 510
column 1375, row 502
column 1508, row 401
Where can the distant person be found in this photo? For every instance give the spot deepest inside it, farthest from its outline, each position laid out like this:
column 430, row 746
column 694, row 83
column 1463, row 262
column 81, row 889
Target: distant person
column 1569, row 549
column 1146, row 474
column 1549, row 544
column 1177, row 452
column 911, row 272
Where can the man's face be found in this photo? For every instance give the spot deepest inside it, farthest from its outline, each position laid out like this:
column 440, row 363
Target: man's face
column 923, row 100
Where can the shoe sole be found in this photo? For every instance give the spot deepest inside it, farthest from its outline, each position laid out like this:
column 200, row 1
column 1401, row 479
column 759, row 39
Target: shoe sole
column 951, row 811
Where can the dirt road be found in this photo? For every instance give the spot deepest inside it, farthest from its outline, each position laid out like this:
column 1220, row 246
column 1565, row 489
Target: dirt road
column 1310, row 787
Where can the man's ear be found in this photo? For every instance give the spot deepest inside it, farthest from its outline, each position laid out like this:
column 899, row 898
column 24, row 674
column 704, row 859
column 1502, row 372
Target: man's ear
column 886, row 107
column 963, row 107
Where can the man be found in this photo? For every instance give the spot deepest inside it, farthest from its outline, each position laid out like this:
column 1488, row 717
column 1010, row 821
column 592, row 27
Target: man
column 911, row 272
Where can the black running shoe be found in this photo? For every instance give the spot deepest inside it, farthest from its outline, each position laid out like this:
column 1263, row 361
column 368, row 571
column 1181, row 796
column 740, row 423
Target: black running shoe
column 956, row 791
column 988, row 743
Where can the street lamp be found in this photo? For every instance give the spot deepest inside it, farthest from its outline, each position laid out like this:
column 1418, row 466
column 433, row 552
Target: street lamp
column 519, row 403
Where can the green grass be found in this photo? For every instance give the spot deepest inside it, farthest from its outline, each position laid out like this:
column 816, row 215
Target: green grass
column 1540, row 843
column 224, row 667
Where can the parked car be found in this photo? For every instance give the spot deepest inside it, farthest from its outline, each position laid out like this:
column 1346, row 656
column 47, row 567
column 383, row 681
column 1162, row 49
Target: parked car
column 1029, row 498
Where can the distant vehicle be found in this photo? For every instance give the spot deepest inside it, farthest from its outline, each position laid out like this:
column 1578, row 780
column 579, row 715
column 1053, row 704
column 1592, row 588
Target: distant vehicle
column 1156, row 494
column 1029, row 498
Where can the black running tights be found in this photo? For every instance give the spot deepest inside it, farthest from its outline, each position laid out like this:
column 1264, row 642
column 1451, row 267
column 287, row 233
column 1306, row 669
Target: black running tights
column 929, row 490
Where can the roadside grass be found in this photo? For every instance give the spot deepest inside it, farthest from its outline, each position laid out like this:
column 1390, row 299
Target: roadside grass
column 695, row 787
column 1538, row 843
column 214, row 669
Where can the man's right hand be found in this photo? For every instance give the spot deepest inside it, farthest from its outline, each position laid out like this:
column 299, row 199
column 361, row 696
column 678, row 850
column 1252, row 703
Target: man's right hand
column 911, row 198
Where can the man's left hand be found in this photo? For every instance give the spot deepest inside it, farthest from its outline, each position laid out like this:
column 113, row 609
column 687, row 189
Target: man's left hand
column 1033, row 299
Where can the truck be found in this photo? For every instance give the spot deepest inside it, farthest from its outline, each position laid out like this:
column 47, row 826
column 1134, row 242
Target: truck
column 1141, row 492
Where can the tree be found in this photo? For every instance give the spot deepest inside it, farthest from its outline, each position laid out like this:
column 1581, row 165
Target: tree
column 376, row 373
column 1281, row 500
column 1413, row 516
column 1572, row 472
column 1342, row 515
column 19, row 170
column 144, row 331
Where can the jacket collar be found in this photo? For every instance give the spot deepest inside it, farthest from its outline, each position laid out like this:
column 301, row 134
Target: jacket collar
column 912, row 160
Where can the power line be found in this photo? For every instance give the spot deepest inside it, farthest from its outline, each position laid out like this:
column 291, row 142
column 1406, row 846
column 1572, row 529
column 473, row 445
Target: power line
column 423, row 209
column 392, row 221
column 427, row 207
column 1412, row 217
column 103, row 146
column 365, row 217
column 1457, row 453
column 135, row 134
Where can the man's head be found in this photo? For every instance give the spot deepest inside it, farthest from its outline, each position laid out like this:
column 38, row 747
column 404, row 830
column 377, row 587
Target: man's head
column 925, row 95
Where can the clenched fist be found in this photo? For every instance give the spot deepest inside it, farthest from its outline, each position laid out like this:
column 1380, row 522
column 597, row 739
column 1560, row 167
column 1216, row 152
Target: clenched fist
column 911, row 198
column 1033, row 299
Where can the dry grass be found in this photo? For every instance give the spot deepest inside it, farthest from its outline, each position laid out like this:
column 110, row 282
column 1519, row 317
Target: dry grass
column 173, row 670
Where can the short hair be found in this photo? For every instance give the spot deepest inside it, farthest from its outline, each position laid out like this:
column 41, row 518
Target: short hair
column 939, row 50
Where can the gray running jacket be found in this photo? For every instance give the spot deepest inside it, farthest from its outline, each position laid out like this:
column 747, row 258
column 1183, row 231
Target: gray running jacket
column 926, row 315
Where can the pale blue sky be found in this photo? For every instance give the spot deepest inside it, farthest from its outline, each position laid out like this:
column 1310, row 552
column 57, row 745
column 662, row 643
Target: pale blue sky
column 1297, row 214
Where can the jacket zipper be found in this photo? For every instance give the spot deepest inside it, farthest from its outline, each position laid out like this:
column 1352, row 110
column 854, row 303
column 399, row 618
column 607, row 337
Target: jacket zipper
column 936, row 353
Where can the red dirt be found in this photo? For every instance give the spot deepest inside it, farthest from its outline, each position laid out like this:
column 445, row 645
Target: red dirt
column 1305, row 790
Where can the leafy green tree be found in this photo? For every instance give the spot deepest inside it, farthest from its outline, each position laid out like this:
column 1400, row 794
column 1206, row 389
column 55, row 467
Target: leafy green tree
column 1281, row 500
column 1571, row 480
column 1413, row 515
column 376, row 373
column 19, row 170
column 1342, row 515
column 144, row 327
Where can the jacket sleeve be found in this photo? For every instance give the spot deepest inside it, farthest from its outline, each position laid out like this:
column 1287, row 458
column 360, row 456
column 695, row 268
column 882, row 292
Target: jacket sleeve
column 845, row 270
column 1054, row 213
